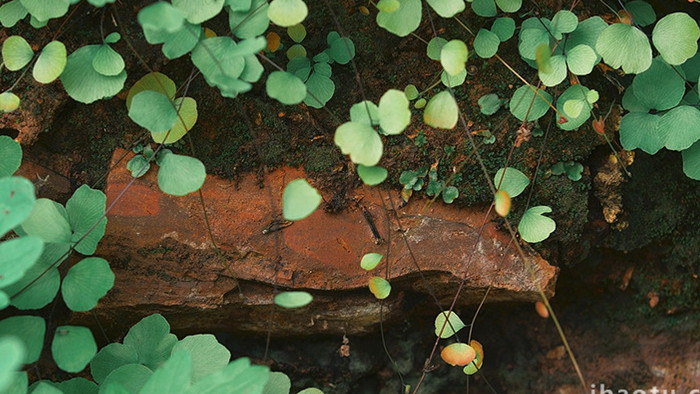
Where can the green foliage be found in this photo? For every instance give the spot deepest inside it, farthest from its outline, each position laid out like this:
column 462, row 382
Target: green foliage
column 52, row 61
column 486, row 43
column 8, row 102
column 675, row 36
column 379, row 287
column 18, row 255
column 86, row 282
column 642, row 12
column 11, row 152
column 372, row 175
column 489, row 103
column 285, row 87
column 370, row 261
column 73, row 347
column 12, row 12
column 441, row 111
column 403, row 20
column 526, row 105
column 16, row 53
column 453, row 56
column 576, row 103
column 360, row 141
column 534, row 226
column 13, row 354
column 30, row 330
column 299, row 200
column 293, row 299
column 572, row 170
column 625, row 46
column 152, row 340
column 511, row 180
column 287, row 13
column 447, row 324
column 207, row 355
column 393, row 111
column 83, row 82
column 85, row 208
column 180, row 175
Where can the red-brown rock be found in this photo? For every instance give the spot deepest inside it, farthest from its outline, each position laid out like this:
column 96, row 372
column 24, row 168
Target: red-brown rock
column 162, row 255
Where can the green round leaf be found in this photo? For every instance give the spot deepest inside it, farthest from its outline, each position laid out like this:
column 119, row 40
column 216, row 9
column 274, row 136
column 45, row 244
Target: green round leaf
column 486, row 43
column 534, row 226
column 251, row 22
column 453, row 56
column 691, row 67
column 586, row 33
column 73, row 347
column 287, row 12
column 153, row 111
column 177, row 43
column 161, row 16
column 11, row 154
column 297, row 33
column 76, row 385
column 187, row 117
column 577, row 96
column 107, row 61
column 631, row 103
column 581, row 59
column 37, row 293
column 370, row 261
column 691, row 161
column 447, row 8
column 17, row 255
column 110, row 358
column 16, row 53
column 394, row 114
column 199, row 11
column 174, row 376
column 319, row 89
column 206, row 353
column 639, row 130
column 388, row 6
column 411, row 92
column 48, row 221
column 365, row 112
column 299, row 200
column 30, row 330
column 420, row 103
column 525, row 103
column 295, row 51
column 503, row 28
column 449, row 194
column 180, row 175
column 659, row 87
column 13, row 355
column 509, row 5
column 451, row 325
column 531, row 40
column 8, row 103
column 285, row 87
column 154, row 81
column 237, row 377
column 293, row 299
column 44, row 10
column 680, row 127
column 371, row 175
column 342, row 50
column 83, row 83
column 379, row 287
column 152, row 340
column 485, row 8
column 112, row 38
column 675, row 36
column 87, row 282
column 85, row 208
column 435, row 47
column 441, row 111
column 11, row 13
column 16, row 201
column 624, row 46
column 511, row 181
column 360, row 141
column 130, row 377
column 564, row 21
column 489, row 104
column 452, row 81
column 557, row 73
column 51, row 62
column 402, row 21
column 642, row 12
column 278, row 383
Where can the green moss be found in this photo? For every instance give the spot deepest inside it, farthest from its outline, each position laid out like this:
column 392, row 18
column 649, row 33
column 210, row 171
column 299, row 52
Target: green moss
column 321, row 158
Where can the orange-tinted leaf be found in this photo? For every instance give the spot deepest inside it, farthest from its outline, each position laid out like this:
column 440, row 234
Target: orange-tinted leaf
column 459, row 354
column 273, row 41
column 502, row 203
column 541, row 309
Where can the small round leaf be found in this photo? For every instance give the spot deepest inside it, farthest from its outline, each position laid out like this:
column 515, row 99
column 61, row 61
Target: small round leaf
column 534, row 226
column 511, row 180
column 87, row 282
column 73, row 347
column 16, row 53
column 51, row 62
column 360, row 141
column 394, row 114
column 287, row 13
column 675, row 36
column 285, row 87
column 180, row 175
column 371, row 175
column 441, row 111
column 453, row 56
column 446, row 327
column 299, row 200
column 380, row 287
column 370, row 261
column 293, row 299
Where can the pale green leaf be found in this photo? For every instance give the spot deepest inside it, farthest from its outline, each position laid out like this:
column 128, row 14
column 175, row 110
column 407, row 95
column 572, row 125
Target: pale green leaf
column 575, row 94
column 452, row 81
column 8, row 103
column 85, row 208
column 129, row 378
column 83, row 83
column 581, row 59
column 44, row 10
column 360, row 141
column 509, row 5
column 110, row 358
column 154, row 81
column 435, row 47
column 486, row 43
column 557, row 73
column 11, row 13
column 454, row 56
column 207, row 354
column 624, row 46
column 379, row 287
column 511, row 181
column 293, row 299
column 503, row 28
column 319, row 89
column 13, row 354
column 107, row 61
column 51, row 62
column 394, row 112
column 249, row 23
column 403, row 21
column 680, row 127
column 447, row 8
column 180, row 175
column 660, row 87
column 173, row 377
column 287, row 12
column 564, row 21
column 441, row 111
column 451, row 325
column 365, row 112
column 152, row 340
column 675, row 36
column 638, row 130
column 200, row 10
column 16, row 199
column 11, row 153
column 534, row 226
column 371, row 175
column 16, row 53
column 17, row 256
column 525, row 103
column 187, row 117
column 278, row 383
column 153, row 111
column 48, row 222
column 87, row 282
column 299, row 200
column 161, row 16
column 485, row 8
column 691, row 161
column 370, row 261
column 285, row 87
column 30, row 330
column 642, row 12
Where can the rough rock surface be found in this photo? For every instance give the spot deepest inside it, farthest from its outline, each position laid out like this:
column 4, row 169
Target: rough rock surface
column 163, row 258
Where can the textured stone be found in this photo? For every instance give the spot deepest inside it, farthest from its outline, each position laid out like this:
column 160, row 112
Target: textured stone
column 162, row 255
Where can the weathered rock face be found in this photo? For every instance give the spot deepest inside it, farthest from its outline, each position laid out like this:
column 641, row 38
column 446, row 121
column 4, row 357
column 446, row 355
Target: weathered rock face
column 162, row 255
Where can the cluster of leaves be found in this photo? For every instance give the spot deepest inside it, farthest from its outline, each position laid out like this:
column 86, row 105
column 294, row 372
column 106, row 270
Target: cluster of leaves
column 414, row 180
column 45, row 234
column 470, row 357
